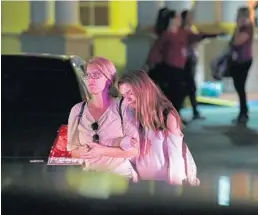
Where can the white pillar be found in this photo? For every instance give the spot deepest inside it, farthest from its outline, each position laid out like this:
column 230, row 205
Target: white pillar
column 39, row 12
column 205, row 12
column 179, row 6
column 229, row 10
column 147, row 12
column 66, row 13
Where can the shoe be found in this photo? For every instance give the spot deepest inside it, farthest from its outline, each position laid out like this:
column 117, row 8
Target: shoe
column 241, row 119
column 197, row 115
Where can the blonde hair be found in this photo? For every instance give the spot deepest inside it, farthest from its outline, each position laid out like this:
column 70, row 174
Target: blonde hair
column 150, row 101
column 107, row 68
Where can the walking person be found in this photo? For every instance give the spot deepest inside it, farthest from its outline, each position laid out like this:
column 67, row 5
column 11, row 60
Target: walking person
column 169, row 54
column 190, row 66
column 242, row 57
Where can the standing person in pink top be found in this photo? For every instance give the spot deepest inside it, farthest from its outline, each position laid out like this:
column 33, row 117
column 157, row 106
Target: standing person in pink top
column 96, row 132
column 242, row 57
column 168, row 54
column 161, row 143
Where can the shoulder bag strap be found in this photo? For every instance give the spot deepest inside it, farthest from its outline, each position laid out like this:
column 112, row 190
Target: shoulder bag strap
column 81, row 112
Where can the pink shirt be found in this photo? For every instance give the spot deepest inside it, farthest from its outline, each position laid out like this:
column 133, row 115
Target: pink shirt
column 244, row 52
column 110, row 128
column 172, row 47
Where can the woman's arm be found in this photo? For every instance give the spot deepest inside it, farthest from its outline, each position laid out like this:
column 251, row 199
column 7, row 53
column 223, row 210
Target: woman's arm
column 72, row 133
column 123, row 147
column 242, row 35
column 173, row 125
column 176, row 164
column 194, row 38
column 110, row 151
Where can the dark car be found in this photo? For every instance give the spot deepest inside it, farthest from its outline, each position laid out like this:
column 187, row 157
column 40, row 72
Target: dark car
column 38, row 92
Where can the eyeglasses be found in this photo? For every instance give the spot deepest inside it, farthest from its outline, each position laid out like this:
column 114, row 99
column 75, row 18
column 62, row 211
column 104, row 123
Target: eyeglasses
column 95, row 127
column 95, row 75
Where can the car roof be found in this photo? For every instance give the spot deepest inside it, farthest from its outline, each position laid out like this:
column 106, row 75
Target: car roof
column 39, row 55
column 46, row 61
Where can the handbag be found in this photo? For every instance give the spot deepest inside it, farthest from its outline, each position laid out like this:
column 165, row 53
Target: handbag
column 221, row 65
column 180, row 164
column 59, row 154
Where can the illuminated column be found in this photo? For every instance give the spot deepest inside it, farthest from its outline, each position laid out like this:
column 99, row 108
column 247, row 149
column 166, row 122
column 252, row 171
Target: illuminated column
column 66, row 13
column 67, row 18
column 39, row 12
column 64, row 36
column 179, row 6
column 40, row 16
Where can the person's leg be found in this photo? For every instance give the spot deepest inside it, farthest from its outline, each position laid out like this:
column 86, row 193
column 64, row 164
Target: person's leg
column 191, row 86
column 240, row 73
column 180, row 90
column 165, row 84
column 171, row 86
column 192, row 92
column 190, row 69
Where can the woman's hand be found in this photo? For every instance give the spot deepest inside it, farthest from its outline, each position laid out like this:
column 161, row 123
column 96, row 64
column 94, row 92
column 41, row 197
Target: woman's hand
column 94, row 150
column 193, row 182
column 83, row 150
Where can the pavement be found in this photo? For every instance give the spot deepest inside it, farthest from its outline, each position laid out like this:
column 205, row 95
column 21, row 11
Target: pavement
column 218, row 146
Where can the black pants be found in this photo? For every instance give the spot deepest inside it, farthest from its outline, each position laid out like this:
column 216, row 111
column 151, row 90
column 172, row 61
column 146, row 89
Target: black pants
column 172, row 82
column 189, row 72
column 239, row 72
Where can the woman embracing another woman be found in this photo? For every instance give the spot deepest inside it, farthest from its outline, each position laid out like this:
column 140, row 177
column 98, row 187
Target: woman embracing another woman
column 163, row 154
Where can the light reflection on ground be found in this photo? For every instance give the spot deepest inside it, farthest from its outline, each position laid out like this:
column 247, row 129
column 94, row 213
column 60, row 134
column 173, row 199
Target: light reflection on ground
column 96, row 184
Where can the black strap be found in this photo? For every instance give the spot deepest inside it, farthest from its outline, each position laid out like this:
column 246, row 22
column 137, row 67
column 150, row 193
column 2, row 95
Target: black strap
column 81, row 112
column 120, row 110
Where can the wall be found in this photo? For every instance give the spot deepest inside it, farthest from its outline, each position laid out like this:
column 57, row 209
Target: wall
column 107, row 41
column 15, row 16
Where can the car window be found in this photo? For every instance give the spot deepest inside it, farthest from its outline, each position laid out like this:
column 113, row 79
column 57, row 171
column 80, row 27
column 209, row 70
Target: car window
column 36, row 101
column 36, row 90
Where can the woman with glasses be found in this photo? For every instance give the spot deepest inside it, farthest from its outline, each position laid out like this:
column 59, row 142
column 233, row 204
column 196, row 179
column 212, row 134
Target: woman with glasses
column 95, row 131
column 162, row 150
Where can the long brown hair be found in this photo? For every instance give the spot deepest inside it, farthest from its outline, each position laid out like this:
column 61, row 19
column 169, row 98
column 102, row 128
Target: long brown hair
column 150, row 101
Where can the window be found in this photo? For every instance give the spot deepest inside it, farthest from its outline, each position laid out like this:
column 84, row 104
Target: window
column 94, row 13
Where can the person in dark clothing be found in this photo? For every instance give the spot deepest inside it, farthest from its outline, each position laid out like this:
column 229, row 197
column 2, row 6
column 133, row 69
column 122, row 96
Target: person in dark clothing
column 161, row 25
column 190, row 66
column 242, row 56
column 168, row 57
